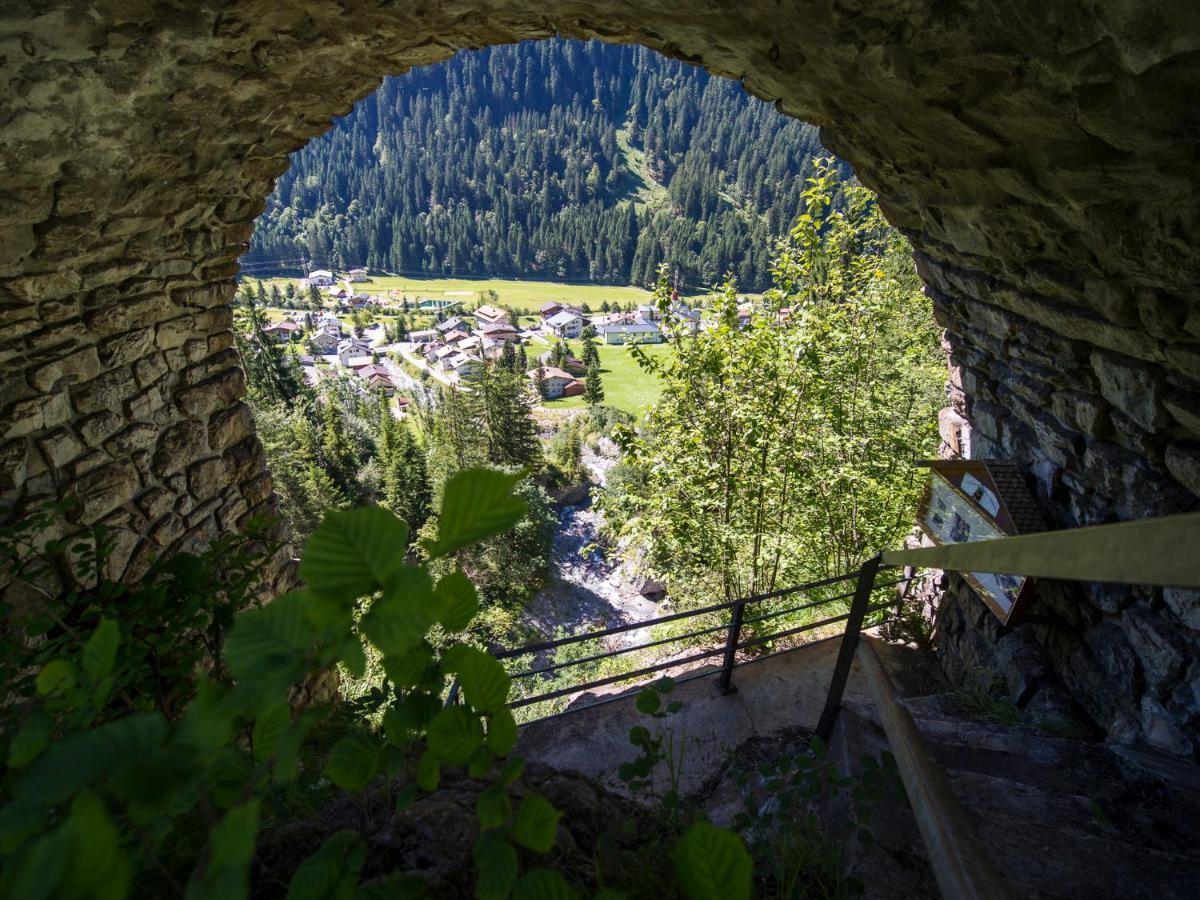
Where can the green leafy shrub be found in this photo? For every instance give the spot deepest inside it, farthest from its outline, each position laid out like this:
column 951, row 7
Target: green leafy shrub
column 122, row 782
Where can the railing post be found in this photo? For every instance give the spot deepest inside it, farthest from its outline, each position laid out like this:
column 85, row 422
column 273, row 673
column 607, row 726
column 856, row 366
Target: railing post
column 841, row 670
column 735, row 636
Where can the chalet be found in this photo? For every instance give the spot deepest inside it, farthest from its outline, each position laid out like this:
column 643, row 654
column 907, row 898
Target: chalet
column 423, row 337
column 550, row 308
column 357, row 275
column 445, row 354
column 324, row 342
column 639, row 332
column 341, row 295
column 454, row 336
column 465, row 365
column 490, row 315
column 376, row 377
column 556, row 382
column 317, row 278
column 647, row 312
column 492, row 349
column 352, row 348
column 570, row 364
column 450, row 324
column 283, row 332
column 566, row 324
column 497, row 332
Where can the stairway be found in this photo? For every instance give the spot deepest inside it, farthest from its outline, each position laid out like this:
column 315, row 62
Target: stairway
column 1058, row 817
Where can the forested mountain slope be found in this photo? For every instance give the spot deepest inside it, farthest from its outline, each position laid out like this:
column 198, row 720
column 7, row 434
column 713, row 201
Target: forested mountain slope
column 560, row 159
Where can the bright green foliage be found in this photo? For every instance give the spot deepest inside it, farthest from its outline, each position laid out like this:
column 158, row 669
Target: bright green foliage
column 781, row 450
column 537, row 822
column 119, row 788
column 712, row 864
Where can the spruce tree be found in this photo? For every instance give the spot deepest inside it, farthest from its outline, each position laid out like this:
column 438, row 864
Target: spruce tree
column 591, row 356
column 594, row 389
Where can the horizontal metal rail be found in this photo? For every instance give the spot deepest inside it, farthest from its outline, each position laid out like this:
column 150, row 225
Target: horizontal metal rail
column 1159, row 551
column 673, row 617
column 617, row 652
column 688, row 635
column 658, row 667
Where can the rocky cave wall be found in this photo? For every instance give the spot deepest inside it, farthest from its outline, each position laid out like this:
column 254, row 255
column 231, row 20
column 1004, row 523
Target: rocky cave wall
column 1041, row 159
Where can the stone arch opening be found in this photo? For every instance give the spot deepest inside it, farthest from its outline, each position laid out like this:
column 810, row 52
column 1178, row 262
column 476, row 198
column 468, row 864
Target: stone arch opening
column 1037, row 159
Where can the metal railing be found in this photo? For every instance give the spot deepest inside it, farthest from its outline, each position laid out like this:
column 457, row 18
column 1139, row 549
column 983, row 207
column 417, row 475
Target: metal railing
column 1161, row 551
column 728, row 650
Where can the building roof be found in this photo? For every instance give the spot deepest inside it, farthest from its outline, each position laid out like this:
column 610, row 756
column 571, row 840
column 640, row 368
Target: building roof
column 552, row 372
column 490, row 312
column 450, row 324
column 424, row 332
column 550, row 305
column 464, row 358
column 494, row 327
column 320, row 273
column 352, row 271
column 634, row 328
column 456, row 335
column 562, row 318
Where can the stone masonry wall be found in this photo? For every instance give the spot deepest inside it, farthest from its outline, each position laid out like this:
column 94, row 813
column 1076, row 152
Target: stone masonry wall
column 1039, row 156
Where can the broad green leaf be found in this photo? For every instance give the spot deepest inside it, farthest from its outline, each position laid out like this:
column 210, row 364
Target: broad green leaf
column 536, row 823
column 512, row 771
column 496, row 860
column 354, row 551
column 454, row 735
column 476, row 504
column 429, row 771
column 399, row 620
column 269, row 644
column 287, row 748
column 493, row 807
column 405, row 670
column 608, row 894
column 543, row 884
column 458, row 601
column 331, row 873
column 502, row 732
column 56, row 676
column 89, row 757
column 231, row 847
column 648, row 701
column 100, row 651
column 353, row 762
column 712, row 864
column 269, row 726
column 353, row 657
column 408, row 718
column 484, row 682
column 99, row 867
column 30, row 741
column 206, row 723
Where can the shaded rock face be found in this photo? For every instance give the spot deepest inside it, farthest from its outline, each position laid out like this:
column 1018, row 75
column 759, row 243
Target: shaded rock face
column 1038, row 157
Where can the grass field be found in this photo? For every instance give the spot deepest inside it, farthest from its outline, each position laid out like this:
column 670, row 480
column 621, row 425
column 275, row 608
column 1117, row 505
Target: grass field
column 521, row 295
column 626, row 385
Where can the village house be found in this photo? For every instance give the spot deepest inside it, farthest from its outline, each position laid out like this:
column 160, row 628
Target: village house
column 640, row 332
column 352, row 348
column 444, row 354
column 647, row 312
column 423, row 336
column 283, row 332
column 454, row 336
column 324, row 342
column 556, row 382
column 450, row 325
column 357, row 275
column 492, row 349
column 498, row 332
column 552, row 308
column 490, row 315
column 465, row 365
column 566, row 324
column 317, row 278
column 377, row 378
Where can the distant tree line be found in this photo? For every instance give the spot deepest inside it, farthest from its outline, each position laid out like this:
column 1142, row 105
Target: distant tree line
column 560, row 159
